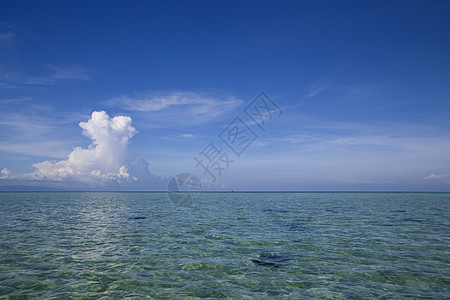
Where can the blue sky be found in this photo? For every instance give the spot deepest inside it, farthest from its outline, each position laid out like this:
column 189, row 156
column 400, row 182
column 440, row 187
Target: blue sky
column 90, row 92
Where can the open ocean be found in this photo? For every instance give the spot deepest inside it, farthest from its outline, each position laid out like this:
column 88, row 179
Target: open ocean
column 226, row 245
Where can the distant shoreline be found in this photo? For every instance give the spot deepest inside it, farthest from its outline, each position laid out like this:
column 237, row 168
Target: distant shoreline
column 12, row 190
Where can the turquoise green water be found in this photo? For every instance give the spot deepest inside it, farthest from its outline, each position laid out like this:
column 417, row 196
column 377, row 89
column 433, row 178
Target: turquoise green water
column 228, row 245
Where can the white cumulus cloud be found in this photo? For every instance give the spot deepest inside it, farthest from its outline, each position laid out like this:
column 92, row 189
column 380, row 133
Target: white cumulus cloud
column 105, row 158
column 5, row 173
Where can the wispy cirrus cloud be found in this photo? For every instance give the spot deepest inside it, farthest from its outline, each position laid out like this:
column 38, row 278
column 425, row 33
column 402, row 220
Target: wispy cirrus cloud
column 7, row 36
column 435, row 176
column 69, row 73
column 52, row 75
column 178, row 107
column 181, row 137
column 437, row 179
column 188, row 136
column 316, row 88
column 10, row 62
column 6, row 39
column 401, row 153
column 398, row 138
column 36, row 130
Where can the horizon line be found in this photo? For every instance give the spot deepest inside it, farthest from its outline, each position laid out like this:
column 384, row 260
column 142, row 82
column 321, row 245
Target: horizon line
column 212, row 191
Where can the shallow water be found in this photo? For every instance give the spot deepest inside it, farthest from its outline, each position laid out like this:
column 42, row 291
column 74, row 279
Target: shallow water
column 227, row 245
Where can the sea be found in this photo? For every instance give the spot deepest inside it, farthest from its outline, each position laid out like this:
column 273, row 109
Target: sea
column 119, row 245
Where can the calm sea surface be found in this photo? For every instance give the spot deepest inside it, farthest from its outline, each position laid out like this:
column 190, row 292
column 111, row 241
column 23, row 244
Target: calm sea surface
column 227, row 245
